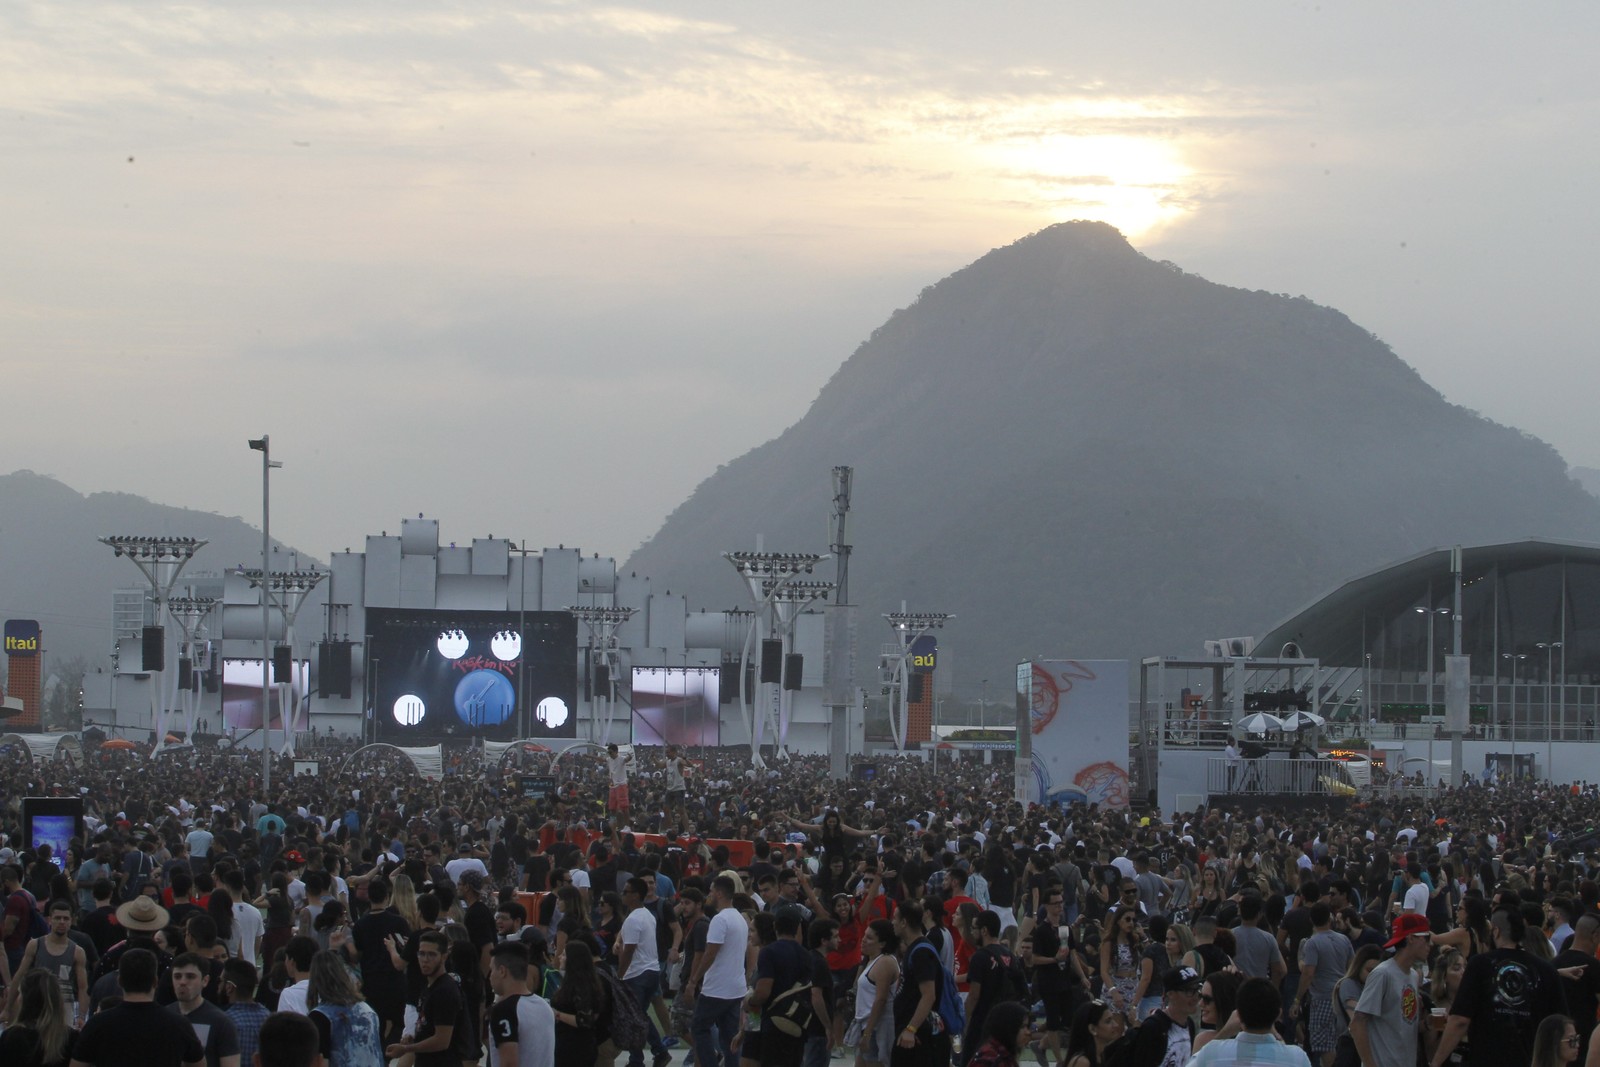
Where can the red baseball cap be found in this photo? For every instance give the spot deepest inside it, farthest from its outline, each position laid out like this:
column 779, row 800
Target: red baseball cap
column 1406, row 925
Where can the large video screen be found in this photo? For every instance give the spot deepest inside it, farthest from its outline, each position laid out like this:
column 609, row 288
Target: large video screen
column 677, row 706
column 241, row 695
column 500, row 675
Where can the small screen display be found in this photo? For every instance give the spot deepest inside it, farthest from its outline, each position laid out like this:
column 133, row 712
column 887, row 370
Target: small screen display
column 55, row 831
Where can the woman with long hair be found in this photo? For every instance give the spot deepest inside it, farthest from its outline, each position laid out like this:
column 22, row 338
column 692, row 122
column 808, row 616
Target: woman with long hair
column 1471, row 934
column 582, row 1009
column 403, row 899
column 574, row 926
column 351, row 1033
column 1121, row 943
column 1097, row 1024
column 1218, row 995
column 1445, row 980
column 1209, row 896
column 1555, row 1043
column 610, row 927
column 1346, row 994
column 880, row 948
column 1005, row 1034
column 220, row 907
column 1181, row 950
column 331, row 927
column 41, row 1035
column 1153, row 963
column 278, row 926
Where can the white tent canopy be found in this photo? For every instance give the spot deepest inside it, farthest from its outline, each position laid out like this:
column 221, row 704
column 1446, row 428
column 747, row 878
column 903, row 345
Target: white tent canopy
column 46, row 746
column 428, row 762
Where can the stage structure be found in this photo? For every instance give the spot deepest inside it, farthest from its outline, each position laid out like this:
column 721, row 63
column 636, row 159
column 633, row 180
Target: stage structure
column 781, row 591
column 160, row 560
column 677, row 706
column 603, row 665
column 189, row 613
column 43, row 747
column 467, row 674
column 1078, row 730
column 427, row 762
column 287, row 591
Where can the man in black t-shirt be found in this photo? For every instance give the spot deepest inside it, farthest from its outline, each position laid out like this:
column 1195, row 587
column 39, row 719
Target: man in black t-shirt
column 780, row 966
column 1583, row 992
column 442, row 1019
column 383, row 985
column 993, row 974
column 916, row 1005
column 478, row 918
column 1505, row 994
column 138, row 1032
column 824, row 935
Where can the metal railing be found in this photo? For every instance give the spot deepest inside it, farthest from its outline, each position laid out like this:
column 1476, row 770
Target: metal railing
column 1274, row 774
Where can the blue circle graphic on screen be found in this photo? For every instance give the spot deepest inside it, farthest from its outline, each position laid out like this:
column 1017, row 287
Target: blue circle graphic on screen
column 485, row 698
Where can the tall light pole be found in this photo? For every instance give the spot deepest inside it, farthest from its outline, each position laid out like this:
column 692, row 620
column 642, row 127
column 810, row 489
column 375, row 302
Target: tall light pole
column 160, row 560
column 263, row 444
column 1514, row 658
column 1549, row 648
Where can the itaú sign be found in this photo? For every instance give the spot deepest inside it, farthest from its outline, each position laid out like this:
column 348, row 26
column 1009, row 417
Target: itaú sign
column 22, row 637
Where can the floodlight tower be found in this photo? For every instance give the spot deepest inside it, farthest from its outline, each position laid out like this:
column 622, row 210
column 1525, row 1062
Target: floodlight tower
column 767, row 574
column 287, row 591
column 910, row 627
column 790, row 599
column 602, row 624
column 189, row 612
column 160, row 560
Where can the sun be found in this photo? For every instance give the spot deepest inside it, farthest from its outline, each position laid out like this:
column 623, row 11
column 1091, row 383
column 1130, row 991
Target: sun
column 1136, row 184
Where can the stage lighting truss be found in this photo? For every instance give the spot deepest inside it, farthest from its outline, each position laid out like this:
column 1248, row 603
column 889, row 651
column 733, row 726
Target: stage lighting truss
column 154, row 549
column 756, row 565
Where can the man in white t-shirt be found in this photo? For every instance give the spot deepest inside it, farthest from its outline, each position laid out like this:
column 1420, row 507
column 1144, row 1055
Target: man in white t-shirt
column 1416, row 890
column 617, row 768
column 717, row 986
column 677, row 783
column 465, row 860
column 640, row 965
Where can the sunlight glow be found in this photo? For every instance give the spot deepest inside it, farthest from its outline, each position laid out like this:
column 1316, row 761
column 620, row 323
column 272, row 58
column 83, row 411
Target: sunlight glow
column 1134, row 183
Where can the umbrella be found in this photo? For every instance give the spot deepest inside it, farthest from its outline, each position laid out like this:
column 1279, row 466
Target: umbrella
column 174, row 739
column 1260, row 723
column 118, row 743
column 1302, row 719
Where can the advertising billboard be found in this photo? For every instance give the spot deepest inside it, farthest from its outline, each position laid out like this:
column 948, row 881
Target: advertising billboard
column 1077, row 730
column 499, row 675
column 22, row 637
column 241, row 695
column 677, row 706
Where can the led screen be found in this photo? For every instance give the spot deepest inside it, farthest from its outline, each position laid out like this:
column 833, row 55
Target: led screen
column 677, row 705
column 441, row 674
column 241, row 695
column 52, row 821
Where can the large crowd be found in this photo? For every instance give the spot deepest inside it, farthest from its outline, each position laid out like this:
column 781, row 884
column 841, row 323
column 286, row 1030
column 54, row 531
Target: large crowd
column 698, row 909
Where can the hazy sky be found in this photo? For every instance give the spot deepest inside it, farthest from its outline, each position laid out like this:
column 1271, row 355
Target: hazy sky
column 537, row 269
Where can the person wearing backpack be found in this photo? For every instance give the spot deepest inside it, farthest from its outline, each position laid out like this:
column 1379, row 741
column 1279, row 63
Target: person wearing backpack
column 922, row 1035
column 993, row 977
column 1165, row 1038
column 23, row 921
column 785, row 995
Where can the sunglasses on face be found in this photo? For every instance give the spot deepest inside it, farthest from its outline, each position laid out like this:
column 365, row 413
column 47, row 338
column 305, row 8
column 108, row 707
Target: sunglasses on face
column 1207, row 998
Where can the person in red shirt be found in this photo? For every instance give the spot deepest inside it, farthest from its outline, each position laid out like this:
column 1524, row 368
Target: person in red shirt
column 844, row 960
column 956, row 883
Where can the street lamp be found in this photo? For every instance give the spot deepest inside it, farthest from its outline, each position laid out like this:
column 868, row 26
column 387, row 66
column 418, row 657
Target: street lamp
column 160, row 560
column 263, row 444
column 910, row 627
column 1549, row 648
column 1514, row 658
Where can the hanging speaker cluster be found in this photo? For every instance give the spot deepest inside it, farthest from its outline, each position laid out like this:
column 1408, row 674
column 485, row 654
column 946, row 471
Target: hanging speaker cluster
column 154, row 648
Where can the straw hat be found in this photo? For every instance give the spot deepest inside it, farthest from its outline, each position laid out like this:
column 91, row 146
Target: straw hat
column 142, row 914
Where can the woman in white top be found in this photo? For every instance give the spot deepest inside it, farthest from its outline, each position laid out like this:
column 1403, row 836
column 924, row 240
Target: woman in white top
column 875, row 993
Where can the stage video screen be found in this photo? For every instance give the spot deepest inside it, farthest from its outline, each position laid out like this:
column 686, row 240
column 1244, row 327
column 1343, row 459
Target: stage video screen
column 241, row 695
column 491, row 674
column 677, row 706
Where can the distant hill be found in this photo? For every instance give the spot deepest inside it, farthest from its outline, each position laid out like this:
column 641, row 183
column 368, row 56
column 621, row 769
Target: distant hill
column 54, row 569
column 1587, row 477
column 1083, row 452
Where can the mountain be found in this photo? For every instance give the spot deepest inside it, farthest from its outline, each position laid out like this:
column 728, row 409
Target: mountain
column 54, row 569
column 1083, row 452
column 1587, row 477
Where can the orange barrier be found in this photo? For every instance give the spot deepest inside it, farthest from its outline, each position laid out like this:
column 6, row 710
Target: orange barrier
column 530, row 903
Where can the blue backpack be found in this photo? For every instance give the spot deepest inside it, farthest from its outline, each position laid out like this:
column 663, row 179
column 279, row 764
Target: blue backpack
column 949, row 1015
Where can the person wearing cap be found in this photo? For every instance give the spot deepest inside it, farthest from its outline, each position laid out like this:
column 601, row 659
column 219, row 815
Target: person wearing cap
column 1505, row 994
column 1385, row 1024
column 1248, row 1037
column 1167, row 1034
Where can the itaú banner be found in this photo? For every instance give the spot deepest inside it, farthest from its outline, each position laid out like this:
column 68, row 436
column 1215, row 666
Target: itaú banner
column 1077, row 715
column 22, row 637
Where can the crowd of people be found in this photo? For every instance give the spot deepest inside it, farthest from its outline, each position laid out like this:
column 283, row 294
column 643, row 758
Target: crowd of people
column 657, row 905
